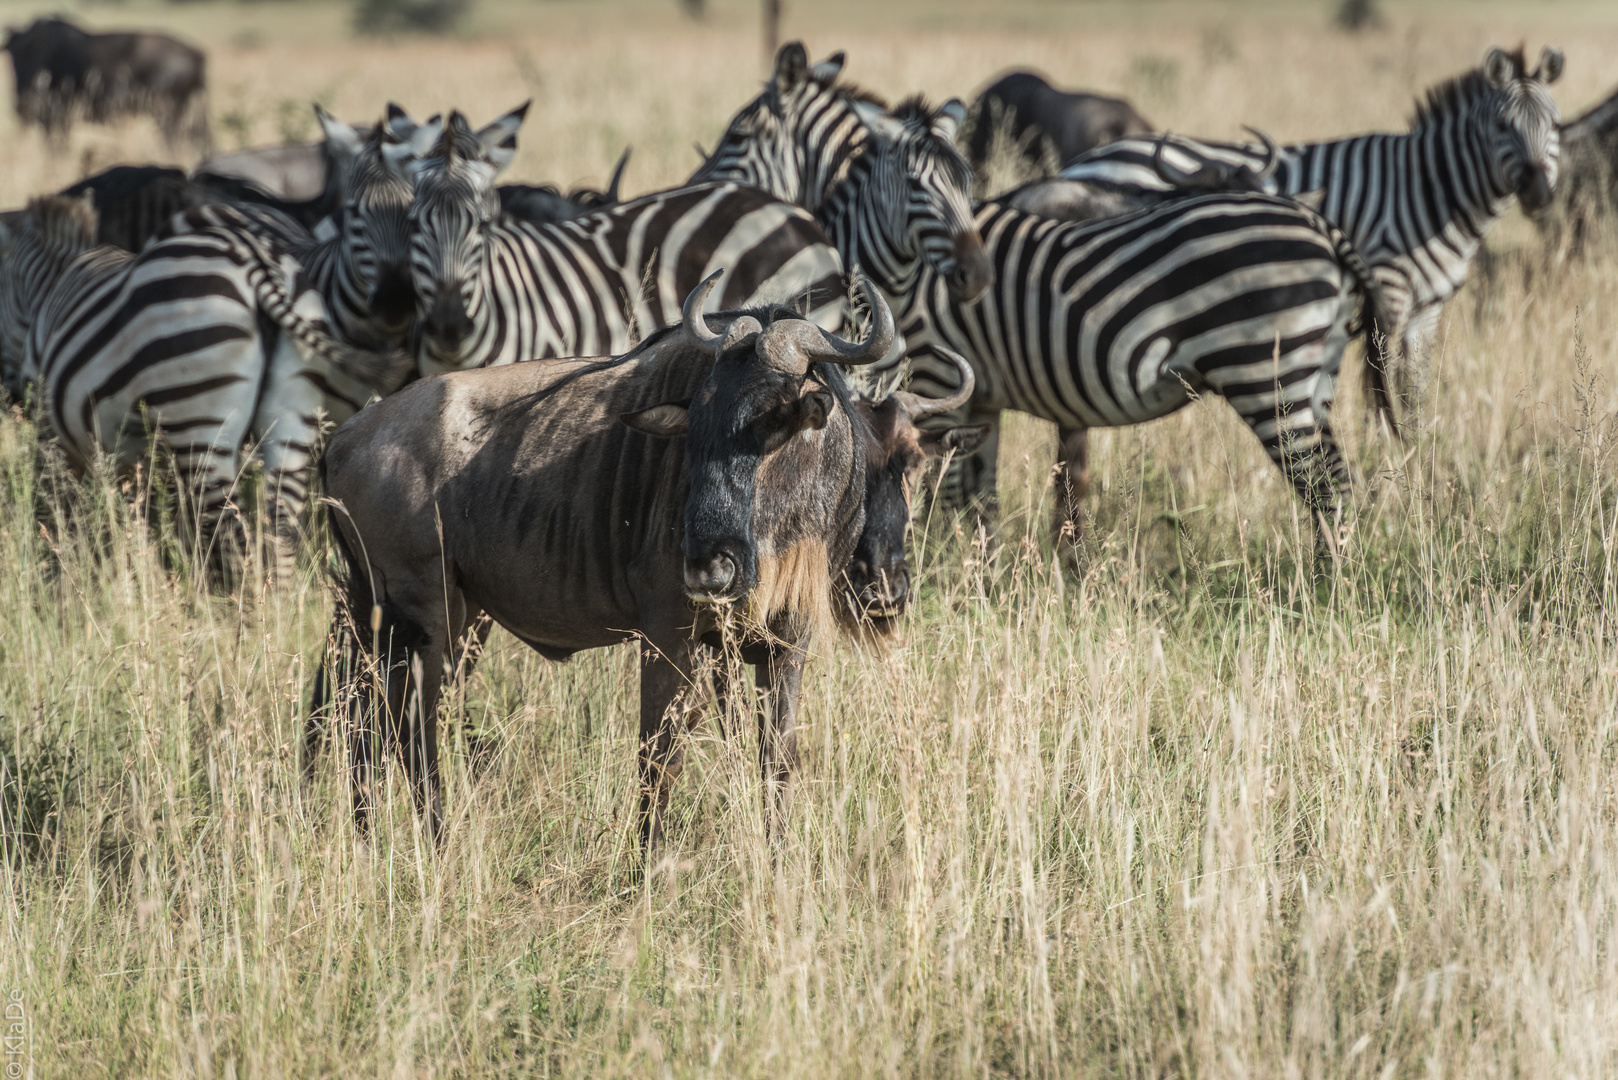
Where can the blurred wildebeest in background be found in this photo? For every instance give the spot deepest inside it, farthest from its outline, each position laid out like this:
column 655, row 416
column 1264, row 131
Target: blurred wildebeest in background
column 545, row 203
column 1587, row 191
column 1046, row 127
column 64, row 73
column 134, row 202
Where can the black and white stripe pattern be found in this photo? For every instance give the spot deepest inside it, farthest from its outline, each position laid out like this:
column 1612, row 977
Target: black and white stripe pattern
column 891, row 190
column 207, row 341
column 1416, row 205
column 493, row 290
column 1123, row 321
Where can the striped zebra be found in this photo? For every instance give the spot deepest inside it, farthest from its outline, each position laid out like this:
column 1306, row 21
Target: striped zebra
column 207, row 341
column 891, row 190
column 1122, row 321
column 493, row 290
column 1415, row 205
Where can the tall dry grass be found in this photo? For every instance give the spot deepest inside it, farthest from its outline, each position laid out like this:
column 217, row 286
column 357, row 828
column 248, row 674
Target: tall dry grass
column 1186, row 810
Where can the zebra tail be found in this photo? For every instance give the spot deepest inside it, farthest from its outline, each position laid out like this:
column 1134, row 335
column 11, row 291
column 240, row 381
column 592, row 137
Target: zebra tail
column 384, row 371
column 1376, row 324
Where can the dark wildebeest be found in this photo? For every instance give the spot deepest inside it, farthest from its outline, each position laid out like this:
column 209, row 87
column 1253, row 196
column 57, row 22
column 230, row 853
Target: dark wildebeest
column 134, row 202
column 64, row 73
column 1048, row 127
column 545, row 203
column 1587, row 190
column 703, row 481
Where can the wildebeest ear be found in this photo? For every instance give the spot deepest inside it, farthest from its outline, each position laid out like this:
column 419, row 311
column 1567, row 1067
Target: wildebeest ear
column 965, row 439
column 1499, row 68
column 949, row 118
column 791, row 66
column 498, row 141
column 829, row 68
column 1550, row 64
column 664, row 421
column 1311, row 199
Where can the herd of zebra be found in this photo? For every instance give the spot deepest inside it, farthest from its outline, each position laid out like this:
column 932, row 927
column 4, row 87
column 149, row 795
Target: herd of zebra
column 706, row 467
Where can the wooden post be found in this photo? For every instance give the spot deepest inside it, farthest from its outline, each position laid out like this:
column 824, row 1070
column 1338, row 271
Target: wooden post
column 772, row 29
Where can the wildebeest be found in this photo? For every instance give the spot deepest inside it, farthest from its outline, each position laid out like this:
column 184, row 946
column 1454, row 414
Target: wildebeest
column 1048, row 127
column 876, row 585
column 63, row 73
column 542, row 203
column 1588, row 188
column 704, row 480
column 134, row 202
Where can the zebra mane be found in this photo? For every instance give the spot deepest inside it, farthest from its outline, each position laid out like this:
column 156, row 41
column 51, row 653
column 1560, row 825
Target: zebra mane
column 847, row 91
column 66, row 225
column 1454, row 96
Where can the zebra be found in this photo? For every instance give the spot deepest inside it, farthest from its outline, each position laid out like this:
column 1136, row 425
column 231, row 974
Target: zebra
column 892, row 190
column 493, row 290
column 1415, row 205
column 1122, row 321
column 205, row 341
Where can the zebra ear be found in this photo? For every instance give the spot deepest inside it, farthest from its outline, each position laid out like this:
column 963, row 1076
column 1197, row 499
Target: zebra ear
column 498, row 141
column 1550, row 64
column 425, row 137
column 341, row 138
column 791, row 68
column 1499, row 67
column 828, row 69
column 949, row 118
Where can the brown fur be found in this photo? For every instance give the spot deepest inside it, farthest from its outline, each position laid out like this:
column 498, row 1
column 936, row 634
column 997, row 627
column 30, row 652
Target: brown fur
column 796, row 582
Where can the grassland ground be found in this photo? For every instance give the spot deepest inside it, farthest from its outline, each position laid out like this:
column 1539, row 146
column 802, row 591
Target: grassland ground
column 1181, row 810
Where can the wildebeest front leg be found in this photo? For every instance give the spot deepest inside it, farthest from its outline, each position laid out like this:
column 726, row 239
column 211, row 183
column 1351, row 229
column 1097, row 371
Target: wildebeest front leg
column 781, row 676
column 665, row 682
column 1072, row 483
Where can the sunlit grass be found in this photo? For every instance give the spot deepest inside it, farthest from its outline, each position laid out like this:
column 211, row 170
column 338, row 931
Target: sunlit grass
column 1186, row 807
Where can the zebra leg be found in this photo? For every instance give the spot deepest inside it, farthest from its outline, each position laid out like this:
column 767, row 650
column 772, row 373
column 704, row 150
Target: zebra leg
column 1298, row 437
column 287, row 426
column 208, row 476
column 1072, row 484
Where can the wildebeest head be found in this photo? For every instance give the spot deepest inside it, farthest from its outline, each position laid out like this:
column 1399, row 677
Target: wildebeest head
column 1213, row 175
column 1508, row 111
column 770, row 444
column 922, row 196
column 876, row 585
column 376, row 210
column 35, row 250
column 455, row 209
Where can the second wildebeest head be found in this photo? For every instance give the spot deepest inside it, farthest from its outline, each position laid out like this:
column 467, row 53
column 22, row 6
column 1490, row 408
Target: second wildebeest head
column 876, row 586
column 776, row 459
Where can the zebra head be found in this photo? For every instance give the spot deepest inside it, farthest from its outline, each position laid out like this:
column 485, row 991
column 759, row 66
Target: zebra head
column 1506, row 113
column 36, row 248
column 1524, row 124
column 916, row 206
column 793, row 139
column 374, row 220
column 456, row 208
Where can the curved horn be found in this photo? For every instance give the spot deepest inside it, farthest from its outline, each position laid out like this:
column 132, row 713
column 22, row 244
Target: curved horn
column 876, row 344
column 920, row 407
column 1208, row 175
column 617, row 175
column 1272, row 156
column 691, row 317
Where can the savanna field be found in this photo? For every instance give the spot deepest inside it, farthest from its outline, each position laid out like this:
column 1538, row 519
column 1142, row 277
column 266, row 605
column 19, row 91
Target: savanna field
column 1182, row 806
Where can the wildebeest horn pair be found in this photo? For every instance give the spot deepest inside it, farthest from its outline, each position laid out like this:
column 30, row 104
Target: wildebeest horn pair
column 791, row 345
column 1216, row 175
